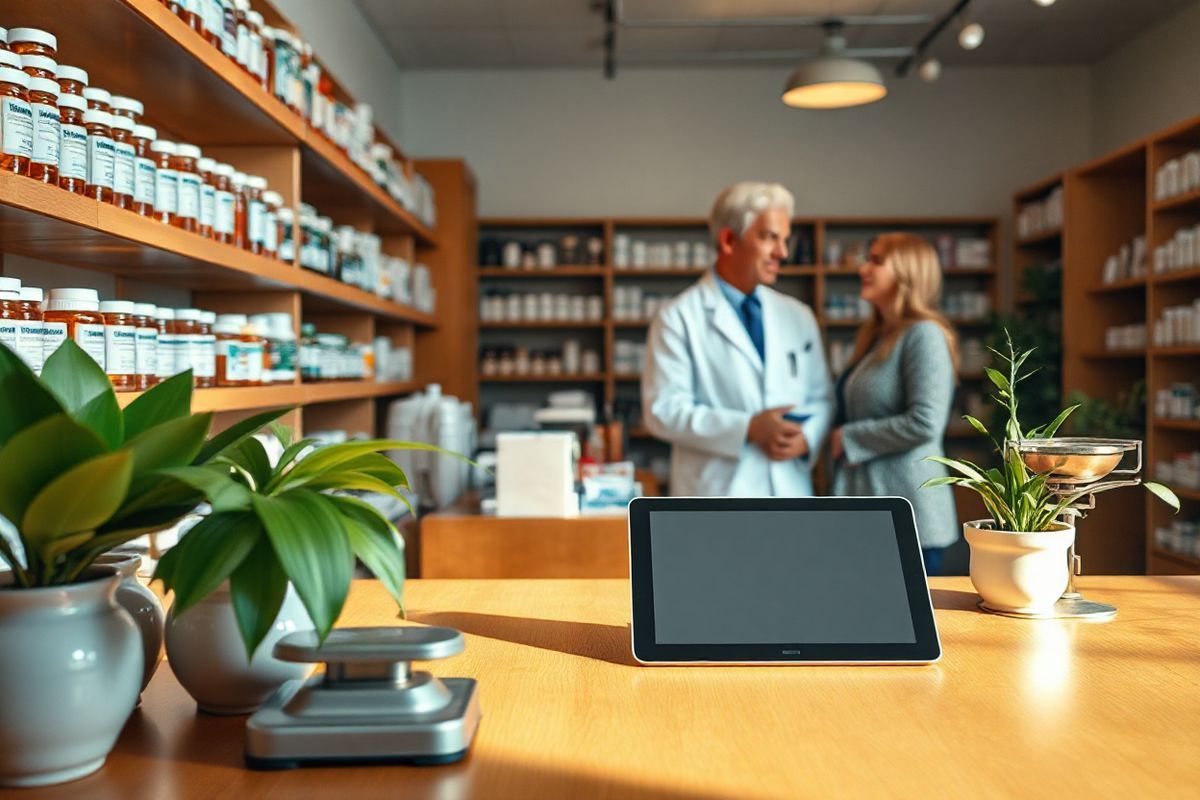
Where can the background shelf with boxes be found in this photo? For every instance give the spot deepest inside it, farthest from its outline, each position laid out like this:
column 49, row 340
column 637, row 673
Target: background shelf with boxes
column 336, row 161
column 558, row 296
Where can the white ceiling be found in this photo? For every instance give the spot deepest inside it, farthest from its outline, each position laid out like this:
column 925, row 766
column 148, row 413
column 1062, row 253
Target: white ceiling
column 438, row 34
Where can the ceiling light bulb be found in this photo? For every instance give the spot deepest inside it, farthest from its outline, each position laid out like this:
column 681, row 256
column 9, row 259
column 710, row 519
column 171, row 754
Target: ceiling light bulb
column 971, row 36
column 1044, row 3
column 930, row 70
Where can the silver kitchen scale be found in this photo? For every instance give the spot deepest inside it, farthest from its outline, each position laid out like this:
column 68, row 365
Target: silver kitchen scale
column 1083, row 466
column 369, row 706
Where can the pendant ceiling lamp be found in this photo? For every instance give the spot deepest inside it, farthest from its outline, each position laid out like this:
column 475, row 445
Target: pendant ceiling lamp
column 833, row 79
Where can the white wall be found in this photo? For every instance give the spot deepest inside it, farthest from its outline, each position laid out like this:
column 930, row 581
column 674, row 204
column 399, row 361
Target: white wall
column 346, row 43
column 1149, row 84
column 567, row 142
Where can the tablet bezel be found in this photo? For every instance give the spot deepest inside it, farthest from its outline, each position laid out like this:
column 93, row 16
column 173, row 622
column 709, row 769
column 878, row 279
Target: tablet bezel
column 926, row 649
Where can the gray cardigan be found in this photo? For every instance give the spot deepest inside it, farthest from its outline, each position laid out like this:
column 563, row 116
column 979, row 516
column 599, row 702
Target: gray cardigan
column 894, row 414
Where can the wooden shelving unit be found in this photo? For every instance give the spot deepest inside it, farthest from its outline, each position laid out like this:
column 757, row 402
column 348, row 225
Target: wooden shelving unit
column 811, row 279
column 194, row 93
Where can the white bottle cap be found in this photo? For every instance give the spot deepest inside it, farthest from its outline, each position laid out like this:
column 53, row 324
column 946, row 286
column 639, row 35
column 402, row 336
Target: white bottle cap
column 31, row 294
column 124, row 123
column 255, row 18
column 116, row 307
column 10, row 296
column 33, row 35
column 256, row 182
column 72, row 101
column 239, row 178
column 94, row 116
column 10, row 59
column 273, row 198
column 140, row 131
column 227, row 328
column 69, row 73
column 188, row 314
column 10, row 75
column 224, row 170
column 206, row 164
column 208, row 317
column 97, row 94
column 163, row 146
column 187, row 150
column 40, row 62
column 232, row 319
column 164, row 313
column 144, row 309
column 73, row 300
column 128, row 104
column 43, row 85
column 10, row 284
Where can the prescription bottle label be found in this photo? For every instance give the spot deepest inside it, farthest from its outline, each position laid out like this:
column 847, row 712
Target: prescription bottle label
column 31, row 343
column 123, row 172
column 73, row 152
column 169, row 360
column 166, row 193
column 8, row 333
column 189, row 195
column 53, row 334
column 204, row 355
column 45, row 134
column 223, row 213
column 92, row 339
column 146, row 353
column 252, row 353
column 16, row 117
column 120, row 349
column 102, row 154
column 143, row 181
column 256, row 221
column 208, row 205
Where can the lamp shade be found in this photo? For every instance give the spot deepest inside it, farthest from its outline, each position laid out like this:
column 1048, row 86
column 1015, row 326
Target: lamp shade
column 834, row 82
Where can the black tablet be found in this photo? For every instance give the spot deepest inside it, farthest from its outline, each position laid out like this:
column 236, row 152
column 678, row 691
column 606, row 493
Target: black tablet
column 826, row 580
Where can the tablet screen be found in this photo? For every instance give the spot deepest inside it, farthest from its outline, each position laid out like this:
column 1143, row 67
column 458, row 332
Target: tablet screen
column 772, row 580
column 736, row 577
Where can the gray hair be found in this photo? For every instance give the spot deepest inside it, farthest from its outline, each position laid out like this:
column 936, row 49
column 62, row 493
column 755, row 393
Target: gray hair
column 740, row 204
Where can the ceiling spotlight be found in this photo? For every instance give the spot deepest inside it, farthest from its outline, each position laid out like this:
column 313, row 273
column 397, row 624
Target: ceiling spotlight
column 1044, row 3
column 930, row 69
column 971, row 36
column 834, row 80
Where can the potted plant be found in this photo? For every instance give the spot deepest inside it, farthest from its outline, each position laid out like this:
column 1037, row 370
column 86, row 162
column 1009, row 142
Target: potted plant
column 1019, row 555
column 274, row 528
column 79, row 476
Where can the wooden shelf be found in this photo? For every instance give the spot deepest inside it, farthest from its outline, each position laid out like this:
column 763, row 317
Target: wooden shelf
column 596, row 378
column 1115, row 355
column 487, row 326
column 631, row 323
column 1175, row 352
column 1177, row 424
column 241, row 398
column 1041, row 239
column 1177, row 276
column 45, row 222
column 1187, row 494
column 659, row 272
column 1182, row 202
column 556, row 272
column 1129, row 284
column 627, row 376
column 1180, row 558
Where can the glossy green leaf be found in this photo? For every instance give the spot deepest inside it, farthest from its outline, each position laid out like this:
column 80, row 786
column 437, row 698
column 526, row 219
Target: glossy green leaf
column 173, row 443
column 944, row 481
column 335, row 455
column 23, row 399
column 1163, row 493
column 977, row 425
column 217, row 485
column 257, row 587
column 156, row 491
column 284, row 433
column 376, row 543
column 958, row 465
column 212, row 550
column 252, row 457
column 309, row 540
column 337, row 480
column 292, row 451
column 236, row 433
column 84, row 391
column 38, row 454
column 1053, row 427
column 80, row 499
column 54, row 548
column 161, row 403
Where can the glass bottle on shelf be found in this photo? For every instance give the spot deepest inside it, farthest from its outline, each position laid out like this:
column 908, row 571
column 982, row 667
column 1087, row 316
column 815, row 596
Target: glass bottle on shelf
column 101, row 155
column 124, row 161
column 184, row 162
column 16, row 121
column 72, row 144
column 143, row 170
column 166, row 181
column 43, row 102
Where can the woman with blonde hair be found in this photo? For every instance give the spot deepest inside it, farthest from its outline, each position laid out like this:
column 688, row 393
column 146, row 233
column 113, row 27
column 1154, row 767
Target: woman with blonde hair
column 894, row 398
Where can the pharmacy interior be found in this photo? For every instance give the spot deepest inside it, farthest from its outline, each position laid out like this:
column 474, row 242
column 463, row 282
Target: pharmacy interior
column 313, row 310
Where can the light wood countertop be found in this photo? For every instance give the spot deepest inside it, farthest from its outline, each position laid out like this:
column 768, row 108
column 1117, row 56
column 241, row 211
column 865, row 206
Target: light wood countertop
column 1015, row 708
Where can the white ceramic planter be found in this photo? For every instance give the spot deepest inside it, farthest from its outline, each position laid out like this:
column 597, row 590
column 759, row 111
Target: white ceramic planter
column 70, row 668
column 143, row 605
column 208, row 657
column 1023, row 573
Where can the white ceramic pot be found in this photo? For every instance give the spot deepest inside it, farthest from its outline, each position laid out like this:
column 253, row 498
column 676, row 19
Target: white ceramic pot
column 143, row 605
column 70, row 668
column 208, row 656
column 1019, row 572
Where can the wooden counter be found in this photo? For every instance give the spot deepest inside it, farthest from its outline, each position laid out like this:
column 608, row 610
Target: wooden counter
column 460, row 542
column 1049, row 709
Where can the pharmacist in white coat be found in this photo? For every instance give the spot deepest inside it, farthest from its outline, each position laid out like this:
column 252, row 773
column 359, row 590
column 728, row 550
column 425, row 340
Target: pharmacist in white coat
column 735, row 373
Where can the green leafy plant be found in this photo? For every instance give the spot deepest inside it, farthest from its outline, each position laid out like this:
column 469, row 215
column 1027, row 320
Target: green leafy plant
column 1122, row 418
column 1017, row 498
column 79, row 475
column 1037, row 328
column 271, row 525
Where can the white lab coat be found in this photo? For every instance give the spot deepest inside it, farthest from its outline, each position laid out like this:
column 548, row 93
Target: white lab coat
column 704, row 380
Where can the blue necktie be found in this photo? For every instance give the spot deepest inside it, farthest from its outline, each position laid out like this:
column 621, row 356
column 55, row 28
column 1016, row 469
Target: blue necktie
column 752, row 319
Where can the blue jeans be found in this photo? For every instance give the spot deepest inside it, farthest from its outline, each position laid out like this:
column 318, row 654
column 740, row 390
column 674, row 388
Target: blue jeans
column 933, row 560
